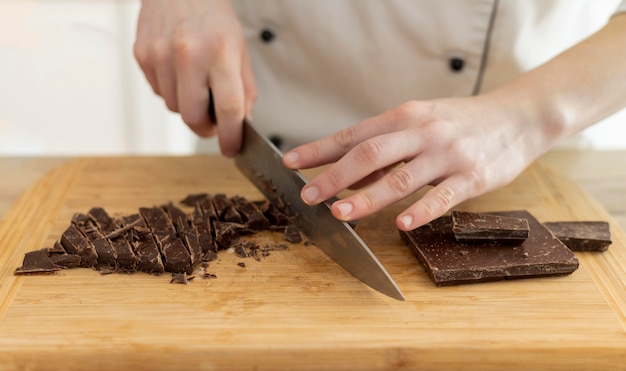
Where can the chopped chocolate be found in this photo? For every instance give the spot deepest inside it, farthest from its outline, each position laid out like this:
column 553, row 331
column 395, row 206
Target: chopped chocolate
column 241, row 264
column 57, row 248
column 177, row 216
column 541, row 254
column 207, row 208
column 75, row 242
column 221, row 203
column 253, row 217
column 37, row 262
column 209, row 256
column 240, row 250
column 193, row 199
column 209, row 276
column 106, row 253
column 175, row 255
column 125, row 257
column 582, row 236
column 481, row 227
column 226, row 233
column 66, row 261
column 179, row 278
column 191, row 240
column 157, row 220
column 292, row 234
column 231, row 215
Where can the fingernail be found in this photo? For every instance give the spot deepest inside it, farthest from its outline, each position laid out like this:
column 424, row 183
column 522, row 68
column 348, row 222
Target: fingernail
column 345, row 208
column 406, row 221
column 290, row 158
column 310, row 195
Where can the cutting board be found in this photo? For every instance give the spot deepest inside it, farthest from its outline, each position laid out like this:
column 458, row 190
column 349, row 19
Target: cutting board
column 297, row 309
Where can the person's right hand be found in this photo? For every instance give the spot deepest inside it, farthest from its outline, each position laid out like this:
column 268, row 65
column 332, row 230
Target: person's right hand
column 185, row 47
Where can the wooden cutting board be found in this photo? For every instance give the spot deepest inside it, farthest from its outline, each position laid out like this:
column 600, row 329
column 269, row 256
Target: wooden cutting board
column 297, row 309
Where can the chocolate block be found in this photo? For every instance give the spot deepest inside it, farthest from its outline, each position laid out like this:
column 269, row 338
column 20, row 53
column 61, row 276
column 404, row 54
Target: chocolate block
column 479, row 227
column 221, row 203
column 177, row 216
column 37, row 262
column 207, row 208
column 253, row 217
column 75, row 242
column 226, row 233
column 449, row 262
column 582, row 236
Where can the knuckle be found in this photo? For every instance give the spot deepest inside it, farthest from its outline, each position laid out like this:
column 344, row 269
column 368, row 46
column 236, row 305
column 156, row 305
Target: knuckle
column 401, row 181
column 335, row 178
column 346, row 138
column 160, row 51
column 370, row 151
column 439, row 201
column 141, row 54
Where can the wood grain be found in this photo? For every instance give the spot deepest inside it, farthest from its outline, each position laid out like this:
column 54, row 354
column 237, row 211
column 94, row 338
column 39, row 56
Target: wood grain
column 297, row 309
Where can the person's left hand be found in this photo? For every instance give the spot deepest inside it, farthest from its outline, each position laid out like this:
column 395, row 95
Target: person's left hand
column 464, row 147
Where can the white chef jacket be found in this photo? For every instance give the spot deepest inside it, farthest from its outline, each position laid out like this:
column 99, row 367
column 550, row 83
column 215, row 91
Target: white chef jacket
column 322, row 65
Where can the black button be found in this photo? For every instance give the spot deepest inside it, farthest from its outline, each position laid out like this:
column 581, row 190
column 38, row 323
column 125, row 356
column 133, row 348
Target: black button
column 267, row 35
column 457, row 64
column 276, row 140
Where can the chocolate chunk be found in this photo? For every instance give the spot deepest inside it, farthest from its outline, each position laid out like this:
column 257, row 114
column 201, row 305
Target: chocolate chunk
column 582, row 236
column 75, row 242
column 175, row 255
column 144, row 245
column 157, row 220
column 208, row 210
column 479, row 227
column 253, row 217
column 191, row 240
column 177, row 216
column 179, row 278
column 126, row 259
column 193, row 199
column 37, row 262
column 541, row 254
column 231, row 215
column 66, row 261
column 226, row 233
column 57, row 248
column 292, row 234
column 209, row 256
column 221, row 203
column 106, row 253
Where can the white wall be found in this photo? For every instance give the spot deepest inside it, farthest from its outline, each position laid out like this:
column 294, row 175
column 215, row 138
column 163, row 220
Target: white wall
column 69, row 85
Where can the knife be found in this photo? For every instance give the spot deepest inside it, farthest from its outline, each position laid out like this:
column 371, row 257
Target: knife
column 261, row 162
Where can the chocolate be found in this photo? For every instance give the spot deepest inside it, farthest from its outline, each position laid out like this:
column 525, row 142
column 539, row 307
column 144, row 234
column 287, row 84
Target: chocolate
column 106, row 253
column 144, row 245
column 583, row 235
column 74, row 242
column 226, row 233
column 180, row 278
column 37, row 262
column 221, row 203
column 292, row 234
column 480, row 227
column 450, row 262
column 125, row 257
column 66, row 261
column 193, row 199
column 253, row 217
column 176, row 257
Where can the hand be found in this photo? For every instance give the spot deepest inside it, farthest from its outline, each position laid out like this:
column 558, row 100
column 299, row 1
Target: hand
column 464, row 147
column 185, row 47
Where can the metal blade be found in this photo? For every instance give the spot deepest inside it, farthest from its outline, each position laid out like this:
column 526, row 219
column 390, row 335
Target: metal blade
column 260, row 161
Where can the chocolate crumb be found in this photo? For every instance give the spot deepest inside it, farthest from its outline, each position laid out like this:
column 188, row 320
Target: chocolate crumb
column 241, row 264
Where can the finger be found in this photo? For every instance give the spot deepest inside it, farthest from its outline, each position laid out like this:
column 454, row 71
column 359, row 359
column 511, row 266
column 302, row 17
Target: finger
column 364, row 159
column 142, row 57
column 399, row 183
column 249, row 85
column 228, row 94
column 193, row 91
column 333, row 147
column 436, row 202
column 165, row 76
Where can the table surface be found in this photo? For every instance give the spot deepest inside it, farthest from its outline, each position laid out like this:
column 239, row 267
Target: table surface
column 602, row 174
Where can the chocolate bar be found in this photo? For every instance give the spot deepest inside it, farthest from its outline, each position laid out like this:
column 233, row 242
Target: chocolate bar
column 582, row 236
column 480, row 227
column 450, row 262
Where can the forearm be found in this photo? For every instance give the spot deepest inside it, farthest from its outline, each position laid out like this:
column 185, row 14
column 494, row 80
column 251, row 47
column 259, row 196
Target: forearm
column 575, row 89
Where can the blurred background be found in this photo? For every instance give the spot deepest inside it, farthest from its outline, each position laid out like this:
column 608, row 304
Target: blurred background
column 69, row 86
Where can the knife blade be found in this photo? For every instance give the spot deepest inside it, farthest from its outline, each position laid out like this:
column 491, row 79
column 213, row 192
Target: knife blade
column 261, row 162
